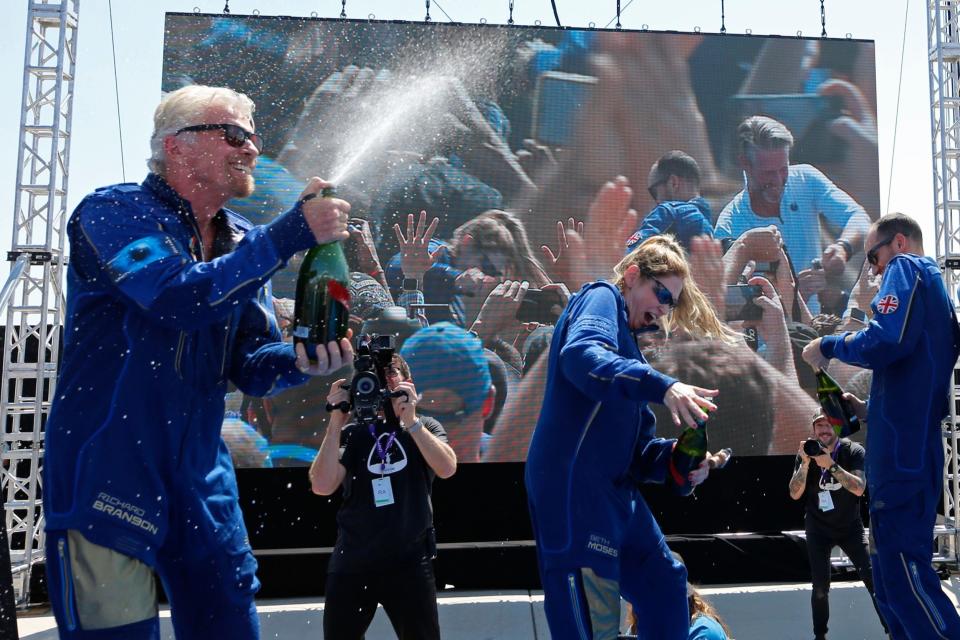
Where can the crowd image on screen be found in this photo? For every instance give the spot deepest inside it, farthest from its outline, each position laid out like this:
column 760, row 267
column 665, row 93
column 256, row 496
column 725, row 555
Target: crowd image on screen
column 492, row 173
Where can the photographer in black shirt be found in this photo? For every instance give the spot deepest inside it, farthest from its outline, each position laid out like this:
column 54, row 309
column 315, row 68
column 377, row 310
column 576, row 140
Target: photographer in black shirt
column 385, row 543
column 829, row 472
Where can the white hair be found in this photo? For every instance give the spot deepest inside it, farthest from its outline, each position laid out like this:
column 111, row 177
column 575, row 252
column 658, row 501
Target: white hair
column 762, row 132
column 185, row 107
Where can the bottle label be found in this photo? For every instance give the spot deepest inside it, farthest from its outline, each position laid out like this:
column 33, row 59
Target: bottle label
column 338, row 292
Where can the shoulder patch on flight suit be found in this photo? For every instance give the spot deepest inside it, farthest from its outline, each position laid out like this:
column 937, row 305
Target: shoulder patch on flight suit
column 139, row 254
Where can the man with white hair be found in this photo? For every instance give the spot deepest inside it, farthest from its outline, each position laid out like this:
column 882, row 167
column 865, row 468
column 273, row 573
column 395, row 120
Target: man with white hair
column 786, row 204
column 167, row 303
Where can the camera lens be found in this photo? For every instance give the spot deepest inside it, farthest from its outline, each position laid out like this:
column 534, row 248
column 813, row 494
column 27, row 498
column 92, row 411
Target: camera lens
column 373, row 353
column 365, row 385
column 812, row 447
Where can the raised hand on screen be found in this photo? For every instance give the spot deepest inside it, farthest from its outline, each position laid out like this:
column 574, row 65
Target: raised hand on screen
column 415, row 256
column 761, row 243
column 707, row 270
column 625, row 134
column 858, row 174
column 812, row 281
column 368, row 260
column 862, row 295
column 537, row 160
column 566, row 264
column 498, row 315
column 610, row 221
column 772, row 327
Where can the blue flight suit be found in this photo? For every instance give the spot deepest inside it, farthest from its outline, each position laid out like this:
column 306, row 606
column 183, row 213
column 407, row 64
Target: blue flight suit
column 911, row 344
column 134, row 458
column 683, row 219
column 594, row 442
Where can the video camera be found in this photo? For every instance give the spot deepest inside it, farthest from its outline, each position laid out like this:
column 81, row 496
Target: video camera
column 369, row 393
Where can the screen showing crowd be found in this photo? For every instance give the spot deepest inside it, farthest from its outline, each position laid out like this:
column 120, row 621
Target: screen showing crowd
column 545, row 155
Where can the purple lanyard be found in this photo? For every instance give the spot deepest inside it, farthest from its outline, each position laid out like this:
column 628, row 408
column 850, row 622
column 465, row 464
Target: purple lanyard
column 833, row 456
column 381, row 450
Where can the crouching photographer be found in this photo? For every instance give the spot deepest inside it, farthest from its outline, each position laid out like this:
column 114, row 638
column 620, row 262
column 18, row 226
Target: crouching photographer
column 385, row 457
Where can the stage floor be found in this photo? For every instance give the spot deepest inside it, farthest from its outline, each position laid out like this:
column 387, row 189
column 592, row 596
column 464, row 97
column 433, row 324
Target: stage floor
column 753, row 612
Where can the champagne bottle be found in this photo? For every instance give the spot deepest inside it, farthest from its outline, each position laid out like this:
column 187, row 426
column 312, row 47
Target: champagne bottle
column 322, row 306
column 838, row 411
column 688, row 453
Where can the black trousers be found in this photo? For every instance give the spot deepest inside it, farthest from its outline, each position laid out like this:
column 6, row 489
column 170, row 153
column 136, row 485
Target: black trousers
column 819, row 545
column 408, row 596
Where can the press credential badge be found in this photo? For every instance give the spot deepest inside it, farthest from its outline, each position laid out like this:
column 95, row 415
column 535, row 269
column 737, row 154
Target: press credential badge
column 382, row 491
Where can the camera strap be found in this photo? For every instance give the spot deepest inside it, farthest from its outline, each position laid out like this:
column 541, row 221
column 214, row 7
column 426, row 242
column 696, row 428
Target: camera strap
column 381, row 450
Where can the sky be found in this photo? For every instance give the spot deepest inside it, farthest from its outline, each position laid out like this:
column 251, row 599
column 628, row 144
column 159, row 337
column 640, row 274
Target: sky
column 95, row 154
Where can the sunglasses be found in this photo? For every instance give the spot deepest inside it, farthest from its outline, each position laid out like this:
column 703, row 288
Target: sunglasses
column 235, row 135
column 872, row 254
column 663, row 294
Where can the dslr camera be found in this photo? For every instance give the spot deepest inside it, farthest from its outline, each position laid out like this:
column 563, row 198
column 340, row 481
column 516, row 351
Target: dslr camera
column 812, row 447
column 369, row 394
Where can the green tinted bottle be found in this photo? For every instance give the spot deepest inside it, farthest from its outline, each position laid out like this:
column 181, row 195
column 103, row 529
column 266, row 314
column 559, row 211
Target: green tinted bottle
column 322, row 307
column 689, row 452
column 692, row 443
column 838, row 411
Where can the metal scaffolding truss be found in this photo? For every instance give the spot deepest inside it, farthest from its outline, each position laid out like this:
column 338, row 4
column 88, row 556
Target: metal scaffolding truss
column 34, row 316
column 943, row 38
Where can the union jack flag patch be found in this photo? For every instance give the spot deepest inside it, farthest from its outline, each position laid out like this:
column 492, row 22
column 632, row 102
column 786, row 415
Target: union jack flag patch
column 888, row 304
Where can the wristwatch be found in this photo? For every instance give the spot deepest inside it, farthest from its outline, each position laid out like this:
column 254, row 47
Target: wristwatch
column 833, row 468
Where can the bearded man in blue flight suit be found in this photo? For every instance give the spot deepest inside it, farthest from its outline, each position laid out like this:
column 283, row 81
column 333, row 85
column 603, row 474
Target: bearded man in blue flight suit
column 167, row 302
column 911, row 344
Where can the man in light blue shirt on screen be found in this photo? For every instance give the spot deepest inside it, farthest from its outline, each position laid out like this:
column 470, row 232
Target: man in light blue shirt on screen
column 792, row 198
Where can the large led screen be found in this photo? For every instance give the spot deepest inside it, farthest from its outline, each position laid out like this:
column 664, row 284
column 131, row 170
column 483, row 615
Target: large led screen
column 544, row 154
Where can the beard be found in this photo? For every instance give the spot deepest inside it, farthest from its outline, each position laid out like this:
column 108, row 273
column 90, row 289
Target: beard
column 243, row 186
column 227, row 181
